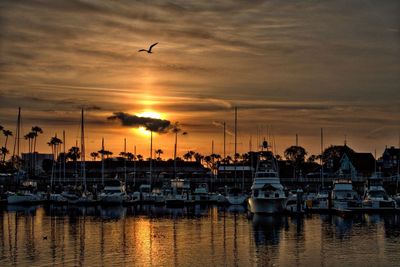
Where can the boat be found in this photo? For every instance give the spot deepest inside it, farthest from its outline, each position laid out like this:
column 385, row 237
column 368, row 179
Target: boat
column 200, row 194
column 375, row 196
column 179, row 192
column 143, row 195
column 113, row 193
column 343, row 197
column 294, row 202
column 235, row 196
column 267, row 194
column 27, row 194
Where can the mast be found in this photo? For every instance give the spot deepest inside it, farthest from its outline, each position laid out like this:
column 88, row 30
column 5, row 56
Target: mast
column 102, row 161
column 320, row 159
column 234, row 156
column 17, row 135
column 64, row 162
column 175, row 148
column 134, row 166
column 151, row 155
column 225, row 150
column 125, row 159
column 83, row 152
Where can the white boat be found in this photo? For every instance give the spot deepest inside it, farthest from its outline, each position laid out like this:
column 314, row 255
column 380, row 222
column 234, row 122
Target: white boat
column 375, row 196
column 200, row 193
column 344, row 198
column 179, row 192
column 25, row 195
column 113, row 193
column 267, row 194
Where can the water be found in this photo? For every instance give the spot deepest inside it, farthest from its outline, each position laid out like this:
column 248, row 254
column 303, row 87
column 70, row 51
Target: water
column 197, row 236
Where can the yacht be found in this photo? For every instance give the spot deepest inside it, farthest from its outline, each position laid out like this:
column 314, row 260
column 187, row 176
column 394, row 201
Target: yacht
column 375, row 196
column 27, row 194
column 267, row 194
column 179, row 193
column 143, row 195
column 344, row 198
column 200, row 194
column 113, row 193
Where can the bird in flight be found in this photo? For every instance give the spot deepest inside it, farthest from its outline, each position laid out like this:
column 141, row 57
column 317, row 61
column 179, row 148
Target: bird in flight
column 149, row 50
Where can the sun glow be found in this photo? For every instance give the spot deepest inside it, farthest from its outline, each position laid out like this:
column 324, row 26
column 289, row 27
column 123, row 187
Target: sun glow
column 147, row 114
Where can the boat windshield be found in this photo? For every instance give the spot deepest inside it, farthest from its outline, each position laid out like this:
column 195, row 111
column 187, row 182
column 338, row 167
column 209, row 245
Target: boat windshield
column 377, row 194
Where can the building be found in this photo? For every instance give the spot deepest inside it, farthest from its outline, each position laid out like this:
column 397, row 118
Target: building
column 390, row 161
column 356, row 165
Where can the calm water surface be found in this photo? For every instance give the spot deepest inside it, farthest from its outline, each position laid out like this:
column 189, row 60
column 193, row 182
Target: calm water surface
column 196, row 236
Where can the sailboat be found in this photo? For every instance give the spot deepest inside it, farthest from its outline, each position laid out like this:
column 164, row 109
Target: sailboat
column 80, row 196
column 235, row 195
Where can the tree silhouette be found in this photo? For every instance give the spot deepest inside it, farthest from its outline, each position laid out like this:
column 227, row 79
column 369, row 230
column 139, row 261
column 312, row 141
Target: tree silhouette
column 94, row 155
column 159, row 152
column 6, row 133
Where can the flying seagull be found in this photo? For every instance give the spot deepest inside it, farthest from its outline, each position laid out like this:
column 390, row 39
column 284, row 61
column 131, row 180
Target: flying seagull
column 148, row 51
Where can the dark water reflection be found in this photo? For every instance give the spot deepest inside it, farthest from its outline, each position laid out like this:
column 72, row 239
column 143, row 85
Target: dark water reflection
column 195, row 236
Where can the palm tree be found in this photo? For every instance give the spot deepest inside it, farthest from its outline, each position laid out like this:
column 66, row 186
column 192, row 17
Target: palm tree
column 198, row 157
column 130, row 156
column 94, row 155
column 188, row 155
column 73, row 153
column 37, row 130
column 6, row 133
column 159, row 152
column 4, row 151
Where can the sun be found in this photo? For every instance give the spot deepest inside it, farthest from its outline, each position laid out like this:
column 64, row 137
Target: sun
column 148, row 114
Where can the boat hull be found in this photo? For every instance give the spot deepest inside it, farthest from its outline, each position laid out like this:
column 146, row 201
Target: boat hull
column 23, row 199
column 266, row 205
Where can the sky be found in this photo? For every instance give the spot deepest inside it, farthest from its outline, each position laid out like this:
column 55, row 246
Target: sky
column 291, row 67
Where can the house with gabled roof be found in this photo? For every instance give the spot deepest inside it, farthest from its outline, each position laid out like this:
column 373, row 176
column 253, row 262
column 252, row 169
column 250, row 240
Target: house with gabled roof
column 355, row 164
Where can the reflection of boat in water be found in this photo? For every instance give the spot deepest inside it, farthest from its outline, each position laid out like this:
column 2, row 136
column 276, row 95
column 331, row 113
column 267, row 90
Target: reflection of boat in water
column 267, row 195
column 116, row 212
column 267, row 228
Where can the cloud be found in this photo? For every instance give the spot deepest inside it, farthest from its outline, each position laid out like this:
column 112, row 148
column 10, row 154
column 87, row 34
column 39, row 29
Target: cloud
column 151, row 124
column 221, row 125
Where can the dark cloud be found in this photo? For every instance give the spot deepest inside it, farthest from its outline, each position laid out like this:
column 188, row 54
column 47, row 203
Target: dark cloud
column 151, row 124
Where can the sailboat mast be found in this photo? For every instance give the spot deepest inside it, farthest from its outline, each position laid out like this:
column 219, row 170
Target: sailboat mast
column 151, row 155
column 83, row 152
column 320, row 159
column 125, row 160
column 225, row 149
column 102, row 161
column 64, row 161
column 17, row 135
column 234, row 156
column 175, row 147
